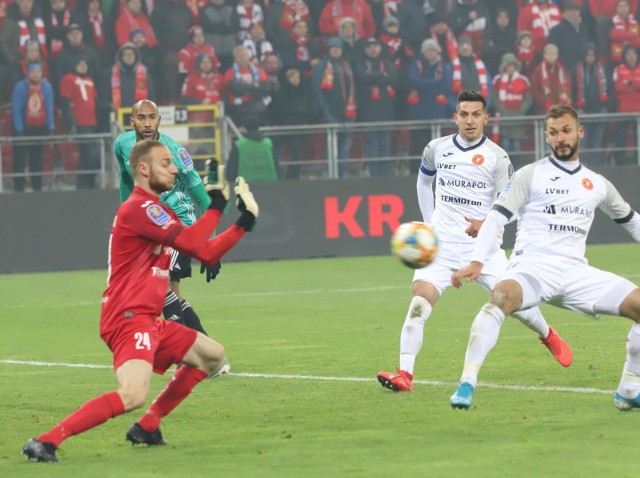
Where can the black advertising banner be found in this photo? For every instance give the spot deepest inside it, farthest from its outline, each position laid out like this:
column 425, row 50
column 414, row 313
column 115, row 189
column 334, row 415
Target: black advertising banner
column 52, row 231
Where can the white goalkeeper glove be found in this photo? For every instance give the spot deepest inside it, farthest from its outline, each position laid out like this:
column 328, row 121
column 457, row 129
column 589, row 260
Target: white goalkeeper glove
column 247, row 205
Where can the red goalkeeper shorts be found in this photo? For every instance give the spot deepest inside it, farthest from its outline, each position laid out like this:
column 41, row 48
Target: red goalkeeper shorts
column 162, row 343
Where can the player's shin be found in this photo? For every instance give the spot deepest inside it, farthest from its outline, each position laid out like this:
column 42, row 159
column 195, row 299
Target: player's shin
column 630, row 382
column 533, row 319
column 482, row 338
column 413, row 331
column 178, row 388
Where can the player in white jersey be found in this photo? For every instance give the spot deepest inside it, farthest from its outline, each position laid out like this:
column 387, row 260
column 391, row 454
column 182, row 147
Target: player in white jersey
column 471, row 170
column 556, row 199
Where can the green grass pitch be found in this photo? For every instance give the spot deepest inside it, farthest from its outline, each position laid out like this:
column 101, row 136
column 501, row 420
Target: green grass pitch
column 305, row 340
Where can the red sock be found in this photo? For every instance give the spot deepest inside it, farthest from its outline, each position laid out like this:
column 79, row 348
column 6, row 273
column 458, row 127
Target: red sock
column 93, row 413
column 179, row 386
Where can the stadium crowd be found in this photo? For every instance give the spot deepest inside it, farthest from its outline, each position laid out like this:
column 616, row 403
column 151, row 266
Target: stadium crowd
column 284, row 62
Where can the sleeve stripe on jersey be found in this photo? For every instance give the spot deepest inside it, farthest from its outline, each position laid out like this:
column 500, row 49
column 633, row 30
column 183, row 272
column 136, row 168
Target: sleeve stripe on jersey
column 503, row 210
column 426, row 171
column 625, row 219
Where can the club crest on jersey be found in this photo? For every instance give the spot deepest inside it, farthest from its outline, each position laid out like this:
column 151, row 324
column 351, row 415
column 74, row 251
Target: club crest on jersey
column 587, row 184
column 478, row 160
column 158, row 215
column 186, row 159
column 510, row 170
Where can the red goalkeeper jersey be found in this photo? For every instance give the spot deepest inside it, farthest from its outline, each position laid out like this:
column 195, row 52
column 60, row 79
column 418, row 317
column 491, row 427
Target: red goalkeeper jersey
column 139, row 257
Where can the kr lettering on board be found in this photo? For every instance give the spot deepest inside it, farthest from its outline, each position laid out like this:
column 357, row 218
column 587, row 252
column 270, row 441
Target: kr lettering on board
column 382, row 210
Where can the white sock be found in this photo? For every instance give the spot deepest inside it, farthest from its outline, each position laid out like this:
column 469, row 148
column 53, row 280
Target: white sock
column 413, row 332
column 630, row 383
column 482, row 338
column 533, row 319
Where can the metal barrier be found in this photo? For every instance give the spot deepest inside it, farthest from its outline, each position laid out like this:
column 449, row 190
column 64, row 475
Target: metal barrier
column 316, row 148
column 59, row 173
column 329, row 164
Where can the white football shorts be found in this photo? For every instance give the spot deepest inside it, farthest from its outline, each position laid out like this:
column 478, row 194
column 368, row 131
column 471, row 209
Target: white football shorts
column 567, row 283
column 453, row 256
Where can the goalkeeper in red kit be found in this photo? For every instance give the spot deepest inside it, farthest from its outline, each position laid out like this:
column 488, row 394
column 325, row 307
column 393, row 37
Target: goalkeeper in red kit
column 143, row 237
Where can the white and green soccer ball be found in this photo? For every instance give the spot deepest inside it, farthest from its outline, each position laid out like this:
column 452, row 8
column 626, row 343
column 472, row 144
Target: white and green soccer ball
column 415, row 244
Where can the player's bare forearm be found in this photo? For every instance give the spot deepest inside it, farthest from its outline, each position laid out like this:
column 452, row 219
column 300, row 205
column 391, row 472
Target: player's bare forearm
column 468, row 274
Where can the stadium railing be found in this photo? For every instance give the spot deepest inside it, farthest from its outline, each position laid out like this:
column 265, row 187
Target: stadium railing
column 311, row 151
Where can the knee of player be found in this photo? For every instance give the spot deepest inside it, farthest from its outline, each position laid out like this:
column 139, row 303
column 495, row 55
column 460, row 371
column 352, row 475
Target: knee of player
column 133, row 398
column 506, row 297
column 213, row 355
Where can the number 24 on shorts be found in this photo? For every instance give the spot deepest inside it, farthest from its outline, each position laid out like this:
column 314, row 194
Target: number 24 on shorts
column 142, row 341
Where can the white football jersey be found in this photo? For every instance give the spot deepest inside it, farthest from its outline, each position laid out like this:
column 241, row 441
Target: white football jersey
column 556, row 207
column 467, row 183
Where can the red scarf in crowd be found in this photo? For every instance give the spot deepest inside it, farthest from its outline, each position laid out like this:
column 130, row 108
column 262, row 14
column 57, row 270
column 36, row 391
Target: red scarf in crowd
column 293, row 11
column 25, row 36
column 452, row 43
column 136, row 21
column 248, row 15
column 328, row 82
column 456, row 85
column 96, row 25
column 563, row 84
column 301, row 42
column 580, row 84
column 511, row 89
column 629, row 25
column 399, row 53
column 390, row 8
column 141, row 90
column 543, row 23
column 36, row 115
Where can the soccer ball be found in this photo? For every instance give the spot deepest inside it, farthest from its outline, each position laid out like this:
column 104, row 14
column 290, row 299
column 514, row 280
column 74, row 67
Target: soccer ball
column 415, row 244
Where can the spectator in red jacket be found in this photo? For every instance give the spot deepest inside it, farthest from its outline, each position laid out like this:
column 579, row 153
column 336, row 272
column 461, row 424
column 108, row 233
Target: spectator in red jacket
column 512, row 97
column 335, row 10
column 524, row 52
column 539, row 17
column 603, row 12
column 130, row 18
column 625, row 31
column 187, row 56
column 203, row 86
column 78, row 98
column 626, row 84
column 551, row 81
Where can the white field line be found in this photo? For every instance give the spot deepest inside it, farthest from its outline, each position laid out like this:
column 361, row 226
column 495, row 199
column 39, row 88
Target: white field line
column 527, row 388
